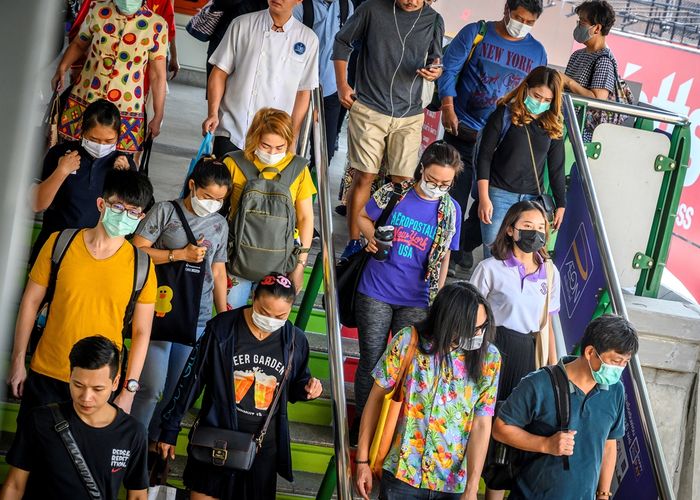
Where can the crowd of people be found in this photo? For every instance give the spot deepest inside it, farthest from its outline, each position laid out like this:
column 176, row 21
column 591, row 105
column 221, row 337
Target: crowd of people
column 203, row 285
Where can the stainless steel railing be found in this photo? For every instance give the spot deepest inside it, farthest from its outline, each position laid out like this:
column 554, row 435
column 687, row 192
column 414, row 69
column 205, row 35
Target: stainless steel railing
column 651, row 434
column 640, row 111
column 335, row 349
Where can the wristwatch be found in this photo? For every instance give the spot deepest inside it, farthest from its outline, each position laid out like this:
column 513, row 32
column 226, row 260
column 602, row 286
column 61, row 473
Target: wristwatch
column 171, row 256
column 131, row 385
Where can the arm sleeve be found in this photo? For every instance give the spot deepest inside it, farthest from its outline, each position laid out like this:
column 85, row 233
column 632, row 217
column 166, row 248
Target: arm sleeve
column 50, row 162
column 435, row 50
column 354, row 29
column 454, row 59
column 305, row 188
column 85, row 30
column 159, row 49
column 555, row 167
column 136, row 476
column 302, row 374
column 519, row 408
column 618, row 429
column 221, row 254
column 387, row 370
column 191, row 383
column 309, row 80
column 490, row 137
column 488, row 384
column 373, row 209
column 454, row 244
column 603, row 76
column 41, row 272
column 148, row 292
column 24, row 446
column 224, row 55
column 153, row 224
column 481, row 279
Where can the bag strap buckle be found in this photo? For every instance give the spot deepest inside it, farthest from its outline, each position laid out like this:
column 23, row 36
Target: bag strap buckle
column 61, row 426
column 219, row 453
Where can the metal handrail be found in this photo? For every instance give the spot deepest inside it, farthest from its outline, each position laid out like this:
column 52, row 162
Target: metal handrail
column 651, row 435
column 335, row 348
column 634, row 111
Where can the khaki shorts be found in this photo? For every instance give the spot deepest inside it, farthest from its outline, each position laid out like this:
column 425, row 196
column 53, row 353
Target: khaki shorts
column 372, row 134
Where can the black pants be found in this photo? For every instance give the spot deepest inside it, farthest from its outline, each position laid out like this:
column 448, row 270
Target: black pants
column 223, row 145
column 331, row 111
column 40, row 390
column 470, row 237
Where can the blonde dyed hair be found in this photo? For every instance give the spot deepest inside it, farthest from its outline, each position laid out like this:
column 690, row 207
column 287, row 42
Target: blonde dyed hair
column 268, row 121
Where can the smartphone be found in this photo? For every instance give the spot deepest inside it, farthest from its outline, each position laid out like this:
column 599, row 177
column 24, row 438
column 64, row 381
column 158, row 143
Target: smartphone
column 433, row 66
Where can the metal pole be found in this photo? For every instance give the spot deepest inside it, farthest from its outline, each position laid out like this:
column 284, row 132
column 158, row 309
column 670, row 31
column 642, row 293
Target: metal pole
column 303, row 144
column 651, row 434
column 658, row 115
column 335, row 349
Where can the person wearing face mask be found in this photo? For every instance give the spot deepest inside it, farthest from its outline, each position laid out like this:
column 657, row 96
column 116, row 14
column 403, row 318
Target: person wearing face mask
column 162, row 236
column 268, row 147
column 123, row 40
column 471, row 86
column 244, row 359
column 449, row 402
column 592, row 71
column 516, row 283
column 73, row 174
column 395, row 292
column 523, row 134
column 94, row 291
column 527, row 420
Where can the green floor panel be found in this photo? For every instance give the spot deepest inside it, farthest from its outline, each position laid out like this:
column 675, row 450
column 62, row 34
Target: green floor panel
column 310, row 458
column 317, row 412
column 317, row 320
column 318, row 365
column 284, row 496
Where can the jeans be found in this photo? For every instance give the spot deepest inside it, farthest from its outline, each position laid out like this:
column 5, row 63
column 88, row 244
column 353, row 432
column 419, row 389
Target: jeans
column 502, row 200
column 393, row 489
column 374, row 321
column 159, row 379
column 240, row 293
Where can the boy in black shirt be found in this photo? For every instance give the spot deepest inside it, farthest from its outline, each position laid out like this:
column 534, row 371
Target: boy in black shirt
column 112, row 443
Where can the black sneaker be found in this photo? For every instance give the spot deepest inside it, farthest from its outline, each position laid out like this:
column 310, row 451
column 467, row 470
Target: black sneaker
column 341, row 210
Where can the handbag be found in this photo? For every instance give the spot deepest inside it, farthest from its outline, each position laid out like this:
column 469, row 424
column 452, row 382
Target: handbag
column 51, row 119
column 390, row 412
column 158, row 488
column 542, row 337
column 230, row 449
column 205, row 149
column 349, row 271
column 544, row 199
column 203, row 24
column 179, row 295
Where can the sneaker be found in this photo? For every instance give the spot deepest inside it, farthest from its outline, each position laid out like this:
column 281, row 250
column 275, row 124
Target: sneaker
column 451, row 268
column 341, row 210
column 351, row 249
column 467, row 260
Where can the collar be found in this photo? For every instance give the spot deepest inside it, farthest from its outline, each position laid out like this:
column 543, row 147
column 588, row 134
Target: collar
column 286, row 26
column 572, row 388
column 540, row 274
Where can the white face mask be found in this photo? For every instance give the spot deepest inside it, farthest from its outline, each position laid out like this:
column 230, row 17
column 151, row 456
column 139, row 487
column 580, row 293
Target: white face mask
column 205, row 207
column 97, row 150
column 472, row 344
column 266, row 324
column 269, row 158
column 432, row 193
column 516, row 29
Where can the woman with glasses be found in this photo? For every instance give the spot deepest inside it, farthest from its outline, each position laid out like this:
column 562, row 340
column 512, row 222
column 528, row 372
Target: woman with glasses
column 401, row 281
column 516, row 282
column 442, row 435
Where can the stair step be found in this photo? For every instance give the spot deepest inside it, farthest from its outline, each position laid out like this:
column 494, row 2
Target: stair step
column 319, row 343
column 349, row 391
column 306, row 485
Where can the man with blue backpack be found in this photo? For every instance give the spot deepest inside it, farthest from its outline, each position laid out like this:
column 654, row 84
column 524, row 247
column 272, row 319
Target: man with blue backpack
column 484, row 62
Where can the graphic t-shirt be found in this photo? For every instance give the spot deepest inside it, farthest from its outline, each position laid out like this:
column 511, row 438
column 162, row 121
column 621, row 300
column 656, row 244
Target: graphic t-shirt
column 400, row 279
column 115, row 454
column 258, row 369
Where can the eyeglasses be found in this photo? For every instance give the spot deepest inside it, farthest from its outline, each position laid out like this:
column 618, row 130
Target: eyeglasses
column 131, row 213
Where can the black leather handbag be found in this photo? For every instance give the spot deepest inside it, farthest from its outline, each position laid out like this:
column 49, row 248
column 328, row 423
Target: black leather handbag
column 234, row 450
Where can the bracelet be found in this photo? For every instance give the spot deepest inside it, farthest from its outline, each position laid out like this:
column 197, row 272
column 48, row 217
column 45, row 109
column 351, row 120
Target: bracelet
column 171, row 256
column 447, row 106
column 606, row 494
column 361, row 462
column 302, row 262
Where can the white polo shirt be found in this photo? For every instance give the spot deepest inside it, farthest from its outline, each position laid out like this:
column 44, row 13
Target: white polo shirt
column 266, row 69
column 516, row 299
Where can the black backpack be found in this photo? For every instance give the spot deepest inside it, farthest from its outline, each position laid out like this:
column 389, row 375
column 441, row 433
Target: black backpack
column 308, row 18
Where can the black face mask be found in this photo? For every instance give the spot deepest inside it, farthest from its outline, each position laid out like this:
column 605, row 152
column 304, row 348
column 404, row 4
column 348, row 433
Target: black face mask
column 530, row 240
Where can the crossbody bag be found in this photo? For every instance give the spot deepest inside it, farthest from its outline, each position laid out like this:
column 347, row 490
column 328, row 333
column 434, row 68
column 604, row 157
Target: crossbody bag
column 544, row 199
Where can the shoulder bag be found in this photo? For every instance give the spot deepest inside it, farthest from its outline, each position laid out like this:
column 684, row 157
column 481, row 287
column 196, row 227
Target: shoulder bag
column 230, row 449
column 544, row 199
column 203, row 24
column 542, row 337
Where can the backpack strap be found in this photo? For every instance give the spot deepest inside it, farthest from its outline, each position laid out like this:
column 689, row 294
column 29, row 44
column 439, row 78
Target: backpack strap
column 247, row 167
column 308, row 18
column 60, row 245
column 290, row 173
column 483, row 28
column 344, row 11
column 142, row 265
column 560, row 386
column 63, row 429
column 183, row 220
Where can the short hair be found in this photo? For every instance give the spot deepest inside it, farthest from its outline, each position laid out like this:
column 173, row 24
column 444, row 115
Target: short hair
column 208, row 171
column 268, row 121
column 439, row 153
column 93, row 353
column 503, row 244
column 101, row 112
column 532, row 6
column 611, row 333
column 598, row 12
column 277, row 285
column 128, row 186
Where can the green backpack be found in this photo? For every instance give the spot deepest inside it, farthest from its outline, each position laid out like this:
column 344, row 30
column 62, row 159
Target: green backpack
column 261, row 234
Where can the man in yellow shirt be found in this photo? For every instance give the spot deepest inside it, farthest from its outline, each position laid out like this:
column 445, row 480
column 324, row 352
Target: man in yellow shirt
column 93, row 290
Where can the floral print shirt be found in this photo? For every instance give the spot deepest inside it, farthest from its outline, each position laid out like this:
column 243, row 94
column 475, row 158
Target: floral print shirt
column 430, row 445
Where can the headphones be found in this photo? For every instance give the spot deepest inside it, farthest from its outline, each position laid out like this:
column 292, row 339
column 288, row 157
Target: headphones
column 403, row 51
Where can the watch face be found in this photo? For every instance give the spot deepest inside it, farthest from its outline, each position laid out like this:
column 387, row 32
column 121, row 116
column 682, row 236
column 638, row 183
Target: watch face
column 132, row 385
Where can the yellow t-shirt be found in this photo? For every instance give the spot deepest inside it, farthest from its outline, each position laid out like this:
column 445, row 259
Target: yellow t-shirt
column 90, row 299
column 301, row 189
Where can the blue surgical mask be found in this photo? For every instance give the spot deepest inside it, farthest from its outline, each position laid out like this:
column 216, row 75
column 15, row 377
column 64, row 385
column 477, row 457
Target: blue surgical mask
column 128, row 7
column 118, row 224
column 606, row 374
column 534, row 106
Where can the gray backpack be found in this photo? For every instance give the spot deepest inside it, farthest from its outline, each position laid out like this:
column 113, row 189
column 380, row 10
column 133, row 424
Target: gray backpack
column 261, row 234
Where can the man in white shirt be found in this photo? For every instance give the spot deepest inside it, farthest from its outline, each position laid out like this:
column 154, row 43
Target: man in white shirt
column 266, row 59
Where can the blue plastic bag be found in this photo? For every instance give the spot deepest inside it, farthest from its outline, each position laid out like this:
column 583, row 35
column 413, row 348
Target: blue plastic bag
column 205, row 149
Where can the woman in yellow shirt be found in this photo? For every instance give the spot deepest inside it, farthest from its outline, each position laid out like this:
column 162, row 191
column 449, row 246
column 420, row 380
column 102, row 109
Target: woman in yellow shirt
column 268, row 147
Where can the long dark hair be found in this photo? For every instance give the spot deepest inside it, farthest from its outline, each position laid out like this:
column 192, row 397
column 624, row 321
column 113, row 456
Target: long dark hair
column 503, row 244
column 451, row 319
column 208, row 171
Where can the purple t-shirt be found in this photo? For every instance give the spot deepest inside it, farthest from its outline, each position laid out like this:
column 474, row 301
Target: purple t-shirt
column 400, row 280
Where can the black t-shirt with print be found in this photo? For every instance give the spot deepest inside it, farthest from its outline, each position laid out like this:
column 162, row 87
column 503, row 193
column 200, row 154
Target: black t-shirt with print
column 258, row 370
column 115, row 454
